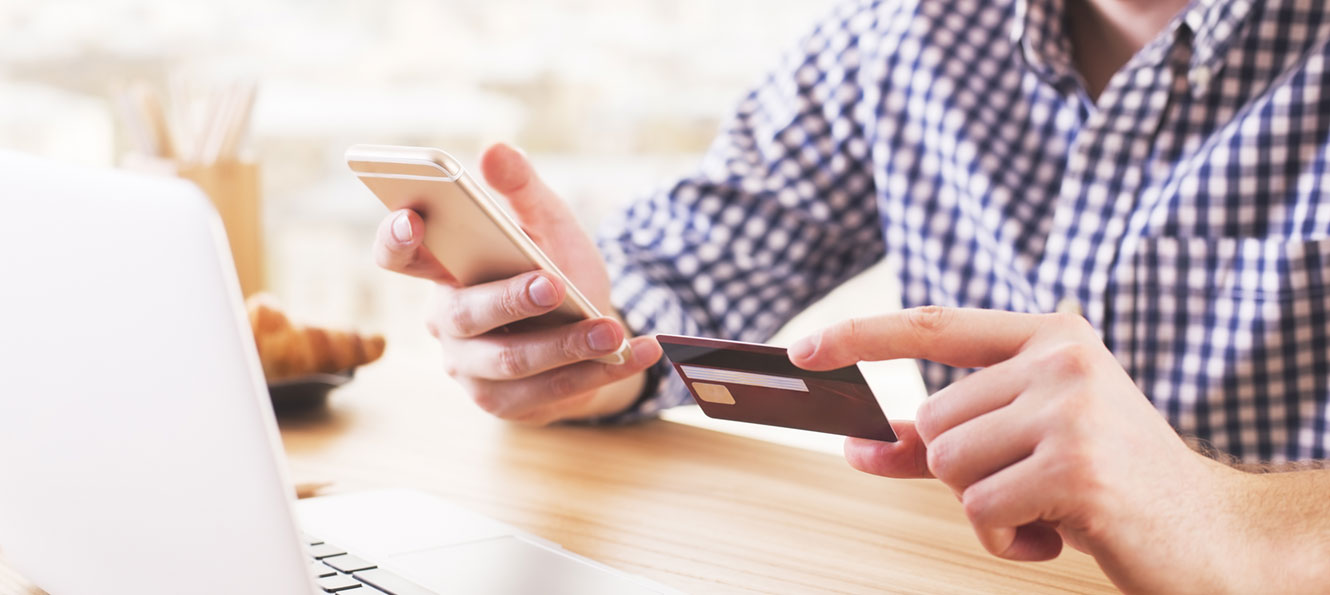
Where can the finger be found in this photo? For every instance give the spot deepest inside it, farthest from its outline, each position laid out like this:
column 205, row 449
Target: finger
column 1035, row 542
column 398, row 247
column 478, row 309
column 962, row 337
column 605, row 400
column 525, row 398
column 525, row 354
column 542, row 214
column 1003, row 502
column 983, row 446
column 905, row 458
column 567, row 408
column 983, row 391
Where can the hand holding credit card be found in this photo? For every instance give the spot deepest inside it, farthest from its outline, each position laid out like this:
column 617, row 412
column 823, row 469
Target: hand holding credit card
column 757, row 384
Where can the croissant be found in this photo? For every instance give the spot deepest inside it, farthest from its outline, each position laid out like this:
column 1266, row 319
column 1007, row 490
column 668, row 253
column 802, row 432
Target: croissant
column 289, row 350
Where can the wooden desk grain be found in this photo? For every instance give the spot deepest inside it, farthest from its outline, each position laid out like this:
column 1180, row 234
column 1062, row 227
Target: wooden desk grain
column 692, row 508
column 698, row 510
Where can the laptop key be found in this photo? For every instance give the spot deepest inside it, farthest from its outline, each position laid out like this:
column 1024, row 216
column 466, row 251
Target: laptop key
column 390, row 583
column 337, row 583
column 320, row 570
column 323, row 550
column 309, row 539
column 349, row 563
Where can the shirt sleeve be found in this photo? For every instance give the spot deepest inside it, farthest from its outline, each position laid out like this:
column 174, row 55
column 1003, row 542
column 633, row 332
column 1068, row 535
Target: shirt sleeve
column 780, row 211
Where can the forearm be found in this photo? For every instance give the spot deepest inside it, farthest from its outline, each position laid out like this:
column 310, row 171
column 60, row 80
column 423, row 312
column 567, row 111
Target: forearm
column 1208, row 450
column 1284, row 522
column 1280, row 522
column 779, row 212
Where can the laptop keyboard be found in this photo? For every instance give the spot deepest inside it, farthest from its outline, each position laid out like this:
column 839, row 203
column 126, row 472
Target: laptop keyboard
column 336, row 571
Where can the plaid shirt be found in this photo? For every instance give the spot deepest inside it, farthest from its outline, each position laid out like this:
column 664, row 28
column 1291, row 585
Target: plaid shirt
column 1183, row 212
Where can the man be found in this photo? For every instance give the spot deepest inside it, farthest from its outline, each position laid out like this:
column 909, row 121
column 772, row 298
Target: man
column 1151, row 169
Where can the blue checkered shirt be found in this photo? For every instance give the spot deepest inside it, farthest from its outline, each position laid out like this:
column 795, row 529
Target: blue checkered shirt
column 1184, row 210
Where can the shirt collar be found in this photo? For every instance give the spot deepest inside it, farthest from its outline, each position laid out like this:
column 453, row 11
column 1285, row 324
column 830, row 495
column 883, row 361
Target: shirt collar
column 1038, row 30
column 1214, row 25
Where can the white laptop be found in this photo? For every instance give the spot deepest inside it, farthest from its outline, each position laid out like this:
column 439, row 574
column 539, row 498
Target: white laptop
column 138, row 449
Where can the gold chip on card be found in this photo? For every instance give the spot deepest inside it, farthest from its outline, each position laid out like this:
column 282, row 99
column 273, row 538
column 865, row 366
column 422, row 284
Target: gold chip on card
column 713, row 393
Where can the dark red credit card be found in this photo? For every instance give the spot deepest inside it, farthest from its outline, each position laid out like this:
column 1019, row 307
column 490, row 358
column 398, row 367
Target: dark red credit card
column 757, row 384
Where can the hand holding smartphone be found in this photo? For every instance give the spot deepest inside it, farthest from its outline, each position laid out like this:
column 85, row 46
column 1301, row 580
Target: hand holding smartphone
column 467, row 230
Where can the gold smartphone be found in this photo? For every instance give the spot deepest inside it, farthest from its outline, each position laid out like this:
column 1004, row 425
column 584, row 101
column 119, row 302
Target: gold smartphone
column 471, row 234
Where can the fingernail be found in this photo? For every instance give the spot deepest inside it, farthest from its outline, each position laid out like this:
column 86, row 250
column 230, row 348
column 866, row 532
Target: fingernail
column 804, row 348
column 402, row 229
column 602, row 338
column 542, row 293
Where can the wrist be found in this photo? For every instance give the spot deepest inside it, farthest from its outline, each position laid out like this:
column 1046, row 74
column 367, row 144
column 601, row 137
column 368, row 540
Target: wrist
column 1227, row 527
column 1187, row 536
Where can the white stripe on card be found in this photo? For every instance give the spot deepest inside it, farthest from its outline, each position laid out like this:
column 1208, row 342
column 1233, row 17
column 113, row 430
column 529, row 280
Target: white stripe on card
column 745, row 378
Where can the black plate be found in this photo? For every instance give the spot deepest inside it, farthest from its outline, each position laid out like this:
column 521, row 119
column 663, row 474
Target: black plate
column 305, row 392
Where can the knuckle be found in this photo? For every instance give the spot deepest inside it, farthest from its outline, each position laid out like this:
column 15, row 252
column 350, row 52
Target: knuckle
column 1069, row 359
column 451, row 369
column 927, row 319
column 512, row 302
column 852, row 329
column 978, row 505
column 851, row 333
column 460, row 319
column 458, row 352
column 921, row 461
column 926, row 415
column 1078, row 464
column 573, row 345
column 1077, row 411
column 512, row 362
column 454, row 354
column 562, row 384
column 488, row 400
column 1079, row 477
column 1070, row 323
column 941, row 458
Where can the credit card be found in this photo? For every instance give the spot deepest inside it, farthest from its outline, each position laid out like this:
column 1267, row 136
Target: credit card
column 757, row 384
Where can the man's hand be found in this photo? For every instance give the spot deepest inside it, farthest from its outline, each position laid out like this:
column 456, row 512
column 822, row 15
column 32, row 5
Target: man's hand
column 1050, row 441
column 539, row 376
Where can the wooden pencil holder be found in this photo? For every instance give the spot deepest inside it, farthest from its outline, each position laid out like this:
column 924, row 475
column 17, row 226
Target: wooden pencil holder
column 233, row 187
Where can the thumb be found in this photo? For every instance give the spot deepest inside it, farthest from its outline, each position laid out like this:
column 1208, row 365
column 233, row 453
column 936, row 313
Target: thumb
column 538, row 209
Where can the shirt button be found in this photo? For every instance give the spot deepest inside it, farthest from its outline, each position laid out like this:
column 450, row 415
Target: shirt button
column 1200, row 77
column 1069, row 305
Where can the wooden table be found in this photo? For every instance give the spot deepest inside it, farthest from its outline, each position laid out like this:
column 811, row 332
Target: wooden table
column 699, row 510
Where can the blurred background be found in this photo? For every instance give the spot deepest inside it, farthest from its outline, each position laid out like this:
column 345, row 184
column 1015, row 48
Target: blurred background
column 610, row 98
